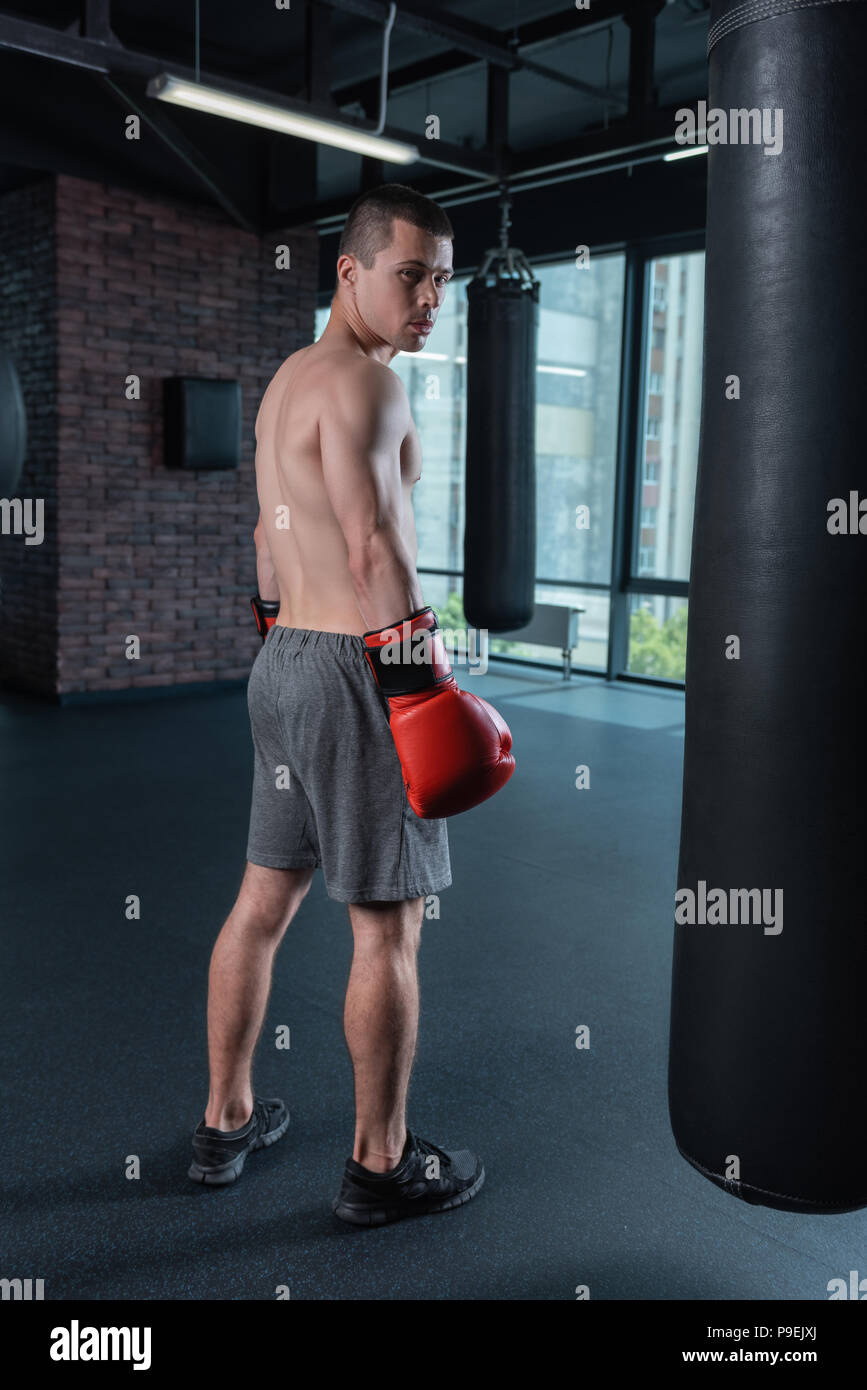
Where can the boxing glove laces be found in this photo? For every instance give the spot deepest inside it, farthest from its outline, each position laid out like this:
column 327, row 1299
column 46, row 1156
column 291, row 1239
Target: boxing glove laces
column 265, row 612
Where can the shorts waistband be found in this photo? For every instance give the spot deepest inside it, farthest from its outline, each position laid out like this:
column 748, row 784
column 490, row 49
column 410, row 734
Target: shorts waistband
column 294, row 639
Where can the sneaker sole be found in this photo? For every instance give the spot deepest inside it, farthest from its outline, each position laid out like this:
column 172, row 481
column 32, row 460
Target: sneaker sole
column 381, row 1216
column 228, row 1172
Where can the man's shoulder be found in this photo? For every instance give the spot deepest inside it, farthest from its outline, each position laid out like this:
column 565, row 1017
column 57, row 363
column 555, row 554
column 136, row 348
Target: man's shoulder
column 345, row 359
column 361, row 378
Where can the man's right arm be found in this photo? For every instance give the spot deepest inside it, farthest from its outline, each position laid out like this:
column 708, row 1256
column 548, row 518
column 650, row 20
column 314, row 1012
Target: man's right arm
column 454, row 748
column 360, row 434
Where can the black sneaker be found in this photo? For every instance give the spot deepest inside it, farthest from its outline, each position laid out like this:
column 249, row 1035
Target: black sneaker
column 219, row 1154
column 426, row 1179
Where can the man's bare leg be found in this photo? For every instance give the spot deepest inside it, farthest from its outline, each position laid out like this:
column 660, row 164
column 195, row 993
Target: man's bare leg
column 380, row 1021
column 239, row 982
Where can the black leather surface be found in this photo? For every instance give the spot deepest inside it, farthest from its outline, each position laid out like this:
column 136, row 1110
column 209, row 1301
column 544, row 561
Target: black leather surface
column 500, row 526
column 768, row 1049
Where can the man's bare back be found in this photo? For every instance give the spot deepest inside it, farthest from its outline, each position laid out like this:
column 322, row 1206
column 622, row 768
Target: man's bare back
column 337, row 455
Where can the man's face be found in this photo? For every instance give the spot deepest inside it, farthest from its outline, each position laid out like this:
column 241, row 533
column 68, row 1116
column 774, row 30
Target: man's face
column 399, row 299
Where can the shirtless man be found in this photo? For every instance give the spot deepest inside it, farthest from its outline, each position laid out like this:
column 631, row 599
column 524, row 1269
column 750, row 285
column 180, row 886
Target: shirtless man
column 337, row 456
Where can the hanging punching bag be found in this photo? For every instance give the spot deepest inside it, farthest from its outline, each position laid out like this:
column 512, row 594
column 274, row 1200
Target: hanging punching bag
column 500, row 474
column 768, row 1045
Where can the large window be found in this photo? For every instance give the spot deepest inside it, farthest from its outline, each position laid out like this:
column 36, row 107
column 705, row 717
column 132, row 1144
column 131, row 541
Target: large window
column 671, row 402
column 657, row 636
column 580, row 326
column 669, row 411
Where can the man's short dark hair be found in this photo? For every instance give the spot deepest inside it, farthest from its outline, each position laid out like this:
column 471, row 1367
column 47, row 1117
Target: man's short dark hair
column 368, row 228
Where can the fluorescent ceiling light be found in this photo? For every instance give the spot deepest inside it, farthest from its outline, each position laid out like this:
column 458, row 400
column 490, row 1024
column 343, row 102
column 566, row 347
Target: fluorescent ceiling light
column 198, row 97
column 430, row 356
column 685, row 154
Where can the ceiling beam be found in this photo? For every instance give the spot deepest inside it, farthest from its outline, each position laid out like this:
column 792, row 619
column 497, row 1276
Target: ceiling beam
column 318, row 53
column 562, row 24
column 183, row 149
column 465, row 53
column 477, row 39
column 601, row 14
column 114, row 60
column 642, row 45
column 497, row 117
column 624, row 142
column 95, row 21
column 365, row 90
column 464, row 34
column 640, row 136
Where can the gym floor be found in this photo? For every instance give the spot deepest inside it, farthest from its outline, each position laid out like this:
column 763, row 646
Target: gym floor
column 560, row 915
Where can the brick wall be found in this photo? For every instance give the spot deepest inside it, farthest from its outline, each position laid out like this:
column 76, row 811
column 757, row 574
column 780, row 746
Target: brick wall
column 151, row 288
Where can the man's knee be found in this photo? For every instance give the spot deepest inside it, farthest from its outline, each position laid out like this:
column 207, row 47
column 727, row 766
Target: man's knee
column 269, row 898
column 392, row 925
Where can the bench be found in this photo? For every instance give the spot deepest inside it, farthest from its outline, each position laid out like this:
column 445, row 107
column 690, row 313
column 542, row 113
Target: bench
column 552, row 625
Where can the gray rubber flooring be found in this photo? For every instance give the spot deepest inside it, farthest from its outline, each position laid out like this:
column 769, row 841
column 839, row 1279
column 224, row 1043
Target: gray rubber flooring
column 560, row 915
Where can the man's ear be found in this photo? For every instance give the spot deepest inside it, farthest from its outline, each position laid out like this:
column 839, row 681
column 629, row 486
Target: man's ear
column 351, row 275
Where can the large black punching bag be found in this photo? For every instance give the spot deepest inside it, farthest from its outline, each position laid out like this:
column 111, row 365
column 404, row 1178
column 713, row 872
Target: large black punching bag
column 768, row 1046
column 500, row 474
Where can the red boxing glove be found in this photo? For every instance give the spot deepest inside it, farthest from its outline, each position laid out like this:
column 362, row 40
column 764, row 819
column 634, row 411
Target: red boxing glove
column 454, row 748
column 265, row 612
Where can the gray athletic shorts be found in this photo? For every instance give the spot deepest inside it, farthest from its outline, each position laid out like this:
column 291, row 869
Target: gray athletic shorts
column 327, row 785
